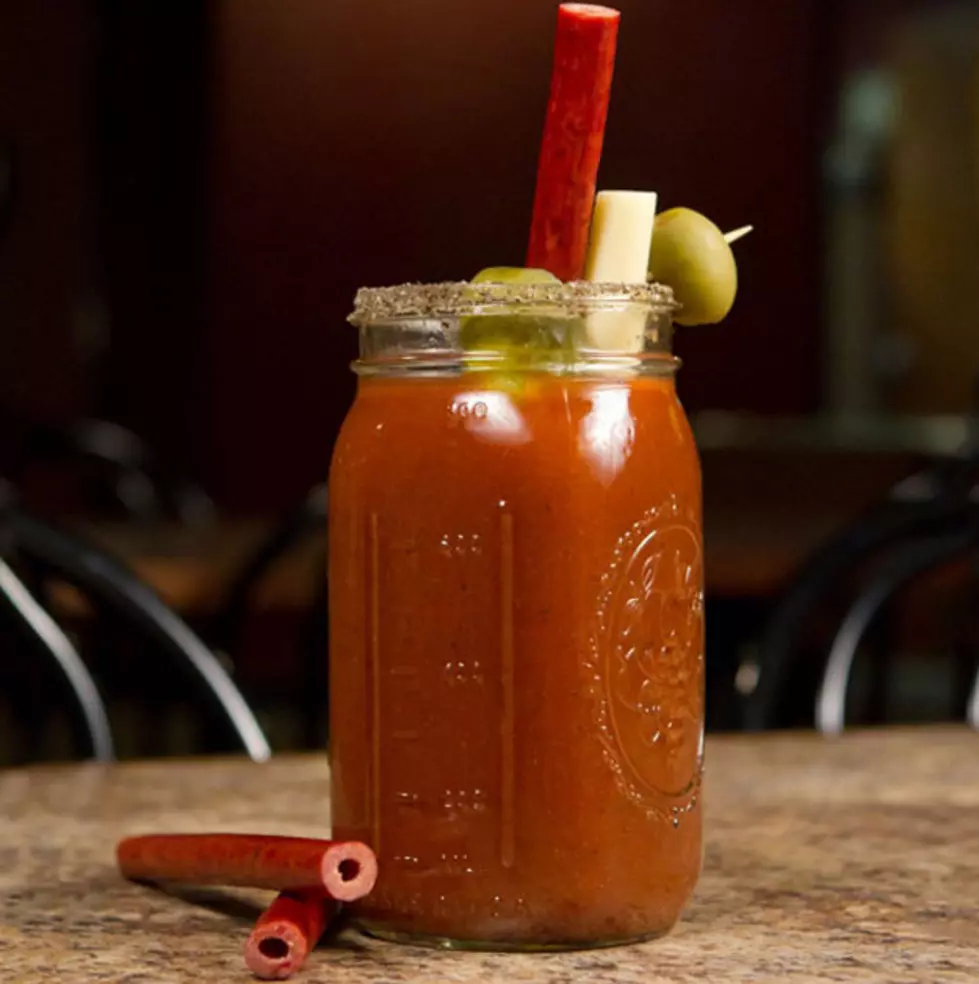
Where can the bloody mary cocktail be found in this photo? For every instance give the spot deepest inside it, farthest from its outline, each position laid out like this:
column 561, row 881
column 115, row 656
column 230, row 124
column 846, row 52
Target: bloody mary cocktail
column 516, row 579
column 517, row 622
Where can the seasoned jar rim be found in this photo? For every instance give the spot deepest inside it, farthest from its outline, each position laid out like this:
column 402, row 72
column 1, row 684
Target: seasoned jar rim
column 457, row 299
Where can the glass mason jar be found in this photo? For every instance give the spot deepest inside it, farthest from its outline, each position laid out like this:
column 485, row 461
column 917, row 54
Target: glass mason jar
column 516, row 599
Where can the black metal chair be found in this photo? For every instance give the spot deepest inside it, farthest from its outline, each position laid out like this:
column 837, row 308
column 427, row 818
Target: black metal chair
column 928, row 521
column 53, row 554
column 899, row 568
column 309, row 517
column 305, row 520
column 19, row 609
column 47, row 638
column 118, row 472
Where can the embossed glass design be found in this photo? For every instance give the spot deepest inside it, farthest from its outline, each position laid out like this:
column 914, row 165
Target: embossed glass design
column 516, row 598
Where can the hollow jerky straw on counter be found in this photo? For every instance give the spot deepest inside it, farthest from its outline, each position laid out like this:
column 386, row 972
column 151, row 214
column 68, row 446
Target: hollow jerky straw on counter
column 344, row 870
column 574, row 131
column 287, row 932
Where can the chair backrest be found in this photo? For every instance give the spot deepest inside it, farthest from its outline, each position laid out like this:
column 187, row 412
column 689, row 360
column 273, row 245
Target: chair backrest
column 55, row 554
column 306, row 520
column 900, row 540
column 45, row 638
column 116, row 469
column 899, row 568
column 48, row 639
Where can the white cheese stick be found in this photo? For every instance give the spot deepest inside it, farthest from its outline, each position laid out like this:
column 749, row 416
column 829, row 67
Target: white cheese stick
column 621, row 231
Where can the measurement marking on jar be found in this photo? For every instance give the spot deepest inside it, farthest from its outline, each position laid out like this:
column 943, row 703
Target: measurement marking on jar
column 375, row 642
column 507, row 682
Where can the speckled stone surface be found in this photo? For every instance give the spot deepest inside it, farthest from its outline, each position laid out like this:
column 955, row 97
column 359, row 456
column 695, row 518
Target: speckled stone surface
column 849, row 860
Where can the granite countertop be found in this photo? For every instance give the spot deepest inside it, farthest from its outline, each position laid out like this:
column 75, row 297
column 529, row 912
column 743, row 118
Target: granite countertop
column 828, row 860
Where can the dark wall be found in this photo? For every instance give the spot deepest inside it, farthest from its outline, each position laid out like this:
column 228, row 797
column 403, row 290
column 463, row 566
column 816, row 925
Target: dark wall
column 255, row 162
column 152, row 125
column 374, row 141
column 46, row 227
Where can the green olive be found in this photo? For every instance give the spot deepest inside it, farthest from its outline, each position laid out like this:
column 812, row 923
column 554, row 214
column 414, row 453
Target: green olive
column 514, row 275
column 690, row 254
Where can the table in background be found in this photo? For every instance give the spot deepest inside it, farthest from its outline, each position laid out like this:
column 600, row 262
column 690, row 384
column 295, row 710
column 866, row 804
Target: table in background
column 765, row 512
column 754, row 540
column 848, row 860
column 747, row 555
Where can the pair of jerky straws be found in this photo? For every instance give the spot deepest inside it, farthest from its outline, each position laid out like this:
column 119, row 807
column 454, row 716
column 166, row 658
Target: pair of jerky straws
column 313, row 878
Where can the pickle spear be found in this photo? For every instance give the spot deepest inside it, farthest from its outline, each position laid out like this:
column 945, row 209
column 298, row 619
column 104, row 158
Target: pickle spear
column 518, row 339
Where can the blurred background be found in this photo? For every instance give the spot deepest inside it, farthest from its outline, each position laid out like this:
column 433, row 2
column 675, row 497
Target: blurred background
column 191, row 193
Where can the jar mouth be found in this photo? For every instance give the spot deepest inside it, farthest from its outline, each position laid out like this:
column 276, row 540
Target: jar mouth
column 458, row 299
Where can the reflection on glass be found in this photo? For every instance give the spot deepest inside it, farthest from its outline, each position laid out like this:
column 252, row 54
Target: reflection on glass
column 492, row 415
column 608, row 431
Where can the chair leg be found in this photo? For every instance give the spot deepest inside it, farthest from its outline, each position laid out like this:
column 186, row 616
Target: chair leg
column 109, row 583
column 786, row 627
column 882, row 640
column 51, row 638
column 905, row 563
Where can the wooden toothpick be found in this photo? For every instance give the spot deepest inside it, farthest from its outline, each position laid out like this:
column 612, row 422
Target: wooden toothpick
column 736, row 234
